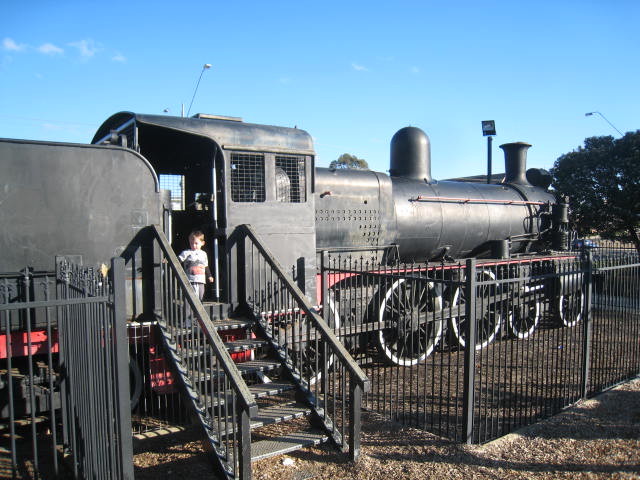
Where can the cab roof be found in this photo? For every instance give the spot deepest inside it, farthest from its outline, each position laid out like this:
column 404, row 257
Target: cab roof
column 225, row 131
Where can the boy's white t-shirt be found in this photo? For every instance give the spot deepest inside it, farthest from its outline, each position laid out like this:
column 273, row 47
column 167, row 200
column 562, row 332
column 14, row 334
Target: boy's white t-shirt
column 194, row 263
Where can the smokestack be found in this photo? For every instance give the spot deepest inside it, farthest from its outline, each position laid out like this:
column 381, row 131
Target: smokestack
column 515, row 162
column 411, row 154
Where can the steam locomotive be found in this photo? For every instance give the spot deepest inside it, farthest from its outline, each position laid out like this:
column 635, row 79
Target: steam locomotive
column 235, row 173
column 213, row 173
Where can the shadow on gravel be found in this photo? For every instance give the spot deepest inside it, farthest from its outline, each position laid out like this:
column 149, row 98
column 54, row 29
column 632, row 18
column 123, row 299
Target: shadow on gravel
column 611, row 415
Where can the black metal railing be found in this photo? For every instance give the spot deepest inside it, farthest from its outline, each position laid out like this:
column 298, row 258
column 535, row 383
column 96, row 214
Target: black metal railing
column 63, row 350
column 537, row 346
column 305, row 343
column 203, row 366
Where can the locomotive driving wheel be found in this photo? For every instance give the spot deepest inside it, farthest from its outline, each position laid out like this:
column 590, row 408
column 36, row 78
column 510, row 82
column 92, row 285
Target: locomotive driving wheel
column 569, row 308
column 489, row 324
column 411, row 329
column 524, row 318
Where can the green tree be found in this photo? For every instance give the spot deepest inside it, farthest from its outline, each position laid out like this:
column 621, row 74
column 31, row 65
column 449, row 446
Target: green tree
column 602, row 181
column 346, row 160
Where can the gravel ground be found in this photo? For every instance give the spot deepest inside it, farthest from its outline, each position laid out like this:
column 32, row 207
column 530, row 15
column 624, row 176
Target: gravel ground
column 598, row 438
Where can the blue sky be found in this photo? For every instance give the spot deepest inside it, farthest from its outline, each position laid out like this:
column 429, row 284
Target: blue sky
column 349, row 73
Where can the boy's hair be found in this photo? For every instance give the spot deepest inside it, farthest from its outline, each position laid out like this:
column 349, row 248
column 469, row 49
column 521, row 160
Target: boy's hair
column 197, row 234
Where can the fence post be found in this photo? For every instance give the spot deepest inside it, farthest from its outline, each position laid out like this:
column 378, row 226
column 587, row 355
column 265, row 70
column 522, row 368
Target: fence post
column 121, row 362
column 244, row 449
column 324, row 284
column 588, row 324
column 470, row 350
column 150, row 275
column 355, row 425
column 242, row 268
column 62, row 315
column 326, row 315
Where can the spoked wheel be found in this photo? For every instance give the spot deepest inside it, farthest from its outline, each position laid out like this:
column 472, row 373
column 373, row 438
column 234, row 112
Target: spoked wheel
column 524, row 318
column 569, row 308
column 312, row 357
column 489, row 325
column 411, row 330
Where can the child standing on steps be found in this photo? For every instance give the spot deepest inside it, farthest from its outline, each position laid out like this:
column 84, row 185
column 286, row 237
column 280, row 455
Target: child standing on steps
column 196, row 263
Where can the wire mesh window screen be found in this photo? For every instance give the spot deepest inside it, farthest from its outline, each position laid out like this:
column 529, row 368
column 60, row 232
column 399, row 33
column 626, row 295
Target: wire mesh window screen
column 247, row 177
column 290, row 178
column 174, row 183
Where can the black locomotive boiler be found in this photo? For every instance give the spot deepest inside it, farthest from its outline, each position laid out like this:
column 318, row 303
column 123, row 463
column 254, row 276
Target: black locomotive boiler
column 428, row 219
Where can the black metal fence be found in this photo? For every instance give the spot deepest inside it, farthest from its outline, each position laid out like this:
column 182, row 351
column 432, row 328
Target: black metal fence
column 62, row 399
column 615, row 310
column 547, row 332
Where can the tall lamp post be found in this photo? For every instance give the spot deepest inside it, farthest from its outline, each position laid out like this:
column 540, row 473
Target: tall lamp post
column 488, row 130
column 588, row 114
column 206, row 66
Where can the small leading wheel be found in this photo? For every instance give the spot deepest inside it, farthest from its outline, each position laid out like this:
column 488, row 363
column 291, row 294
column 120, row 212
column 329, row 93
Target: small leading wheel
column 524, row 318
column 489, row 325
column 412, row 329
column 569, row 308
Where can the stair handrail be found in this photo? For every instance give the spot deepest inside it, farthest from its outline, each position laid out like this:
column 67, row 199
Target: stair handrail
column 246, row 400
column 327, row 333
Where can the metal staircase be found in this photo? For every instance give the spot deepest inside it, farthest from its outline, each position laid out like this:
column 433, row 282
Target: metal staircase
column 266, row 383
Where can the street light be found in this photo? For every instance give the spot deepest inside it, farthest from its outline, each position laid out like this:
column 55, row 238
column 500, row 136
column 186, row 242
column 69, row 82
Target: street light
column 588, row 114
column 488, row 130
column 206, row 66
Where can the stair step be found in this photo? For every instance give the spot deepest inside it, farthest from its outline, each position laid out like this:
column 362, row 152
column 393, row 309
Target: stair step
column 234, row 346
column 273, row 388
column 279, row 413
column 23, row 422
column 286, row 443
column 243, row 345
column 258, row 391
column 216, row 310
column 232, row 323
column 246, row 368
column 254, row 366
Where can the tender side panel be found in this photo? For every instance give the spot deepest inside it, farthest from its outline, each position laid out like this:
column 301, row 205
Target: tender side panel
column 73, row 200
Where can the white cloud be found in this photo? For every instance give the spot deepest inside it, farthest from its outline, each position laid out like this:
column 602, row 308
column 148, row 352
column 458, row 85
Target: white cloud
column 10, row 45
column 414, row 69
column 50, row 49
column 359, row 68
column 87, row 48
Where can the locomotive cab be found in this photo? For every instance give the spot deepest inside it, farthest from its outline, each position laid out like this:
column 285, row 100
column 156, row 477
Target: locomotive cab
column 224, row 173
